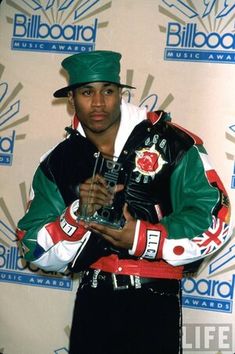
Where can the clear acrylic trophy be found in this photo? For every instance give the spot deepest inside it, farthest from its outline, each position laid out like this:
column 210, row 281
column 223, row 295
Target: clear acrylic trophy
column 110, row 215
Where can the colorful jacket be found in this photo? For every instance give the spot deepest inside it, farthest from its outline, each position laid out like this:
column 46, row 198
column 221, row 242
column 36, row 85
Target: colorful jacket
column 178, row 199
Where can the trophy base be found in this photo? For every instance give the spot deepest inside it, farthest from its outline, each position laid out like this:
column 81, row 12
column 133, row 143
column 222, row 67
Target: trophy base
column 99, row 220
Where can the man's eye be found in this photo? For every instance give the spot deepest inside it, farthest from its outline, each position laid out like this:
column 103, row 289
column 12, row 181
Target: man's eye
column 108, row 92
column 86, row 93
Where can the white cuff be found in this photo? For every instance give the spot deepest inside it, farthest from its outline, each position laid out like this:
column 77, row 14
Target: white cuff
column 137, row 229
column 74, row 208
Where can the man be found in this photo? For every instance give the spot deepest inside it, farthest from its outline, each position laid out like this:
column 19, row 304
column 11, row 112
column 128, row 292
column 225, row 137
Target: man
column 172, row 207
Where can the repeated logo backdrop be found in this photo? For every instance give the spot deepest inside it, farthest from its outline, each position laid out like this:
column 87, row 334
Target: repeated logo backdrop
column 52, row 26
column 186, row 67
column 199, row 31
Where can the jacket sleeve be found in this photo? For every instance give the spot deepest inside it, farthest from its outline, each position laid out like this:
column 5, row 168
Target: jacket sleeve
column 49, row 234
column 199, row 224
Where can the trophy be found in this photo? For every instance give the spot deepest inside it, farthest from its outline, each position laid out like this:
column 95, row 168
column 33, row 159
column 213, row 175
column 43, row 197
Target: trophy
column 110, row 215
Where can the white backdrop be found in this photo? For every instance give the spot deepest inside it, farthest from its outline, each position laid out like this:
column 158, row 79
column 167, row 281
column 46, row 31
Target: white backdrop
column 194, row 80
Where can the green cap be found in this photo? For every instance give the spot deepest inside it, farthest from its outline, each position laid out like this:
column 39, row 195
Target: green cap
column 95, row 66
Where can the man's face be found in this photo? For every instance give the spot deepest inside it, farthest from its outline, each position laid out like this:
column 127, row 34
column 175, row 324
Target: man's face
column 97, row 105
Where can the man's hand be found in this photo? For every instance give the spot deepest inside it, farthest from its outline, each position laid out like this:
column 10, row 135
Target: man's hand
column 124, row 237
column 95, row 193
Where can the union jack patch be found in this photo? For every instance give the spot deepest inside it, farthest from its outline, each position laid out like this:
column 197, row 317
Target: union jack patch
column 213, row 238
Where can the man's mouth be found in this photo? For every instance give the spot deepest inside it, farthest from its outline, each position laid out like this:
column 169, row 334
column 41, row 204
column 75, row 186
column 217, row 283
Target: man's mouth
column 98, row 115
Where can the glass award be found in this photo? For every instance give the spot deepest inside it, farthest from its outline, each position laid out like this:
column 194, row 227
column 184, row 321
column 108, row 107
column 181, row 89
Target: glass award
column 112, row 172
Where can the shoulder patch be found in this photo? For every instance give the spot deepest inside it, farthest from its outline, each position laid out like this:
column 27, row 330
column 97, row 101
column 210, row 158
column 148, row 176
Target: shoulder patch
column 153, row 117
column 158, row 116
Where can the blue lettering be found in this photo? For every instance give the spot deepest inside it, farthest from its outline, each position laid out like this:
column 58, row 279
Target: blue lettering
column 173, row 34
column 69, row 32
column 7, row 144
column 230, row 38
column 199, row 40
column 189, row 37
column 2, row 256
column 205, row 287
column 89, row 32
column 43, row 30
column 19, row 28
column 26, row 27
column 226, row 289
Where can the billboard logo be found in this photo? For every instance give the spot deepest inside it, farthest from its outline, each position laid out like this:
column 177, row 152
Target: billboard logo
column 200, row 32
column 56, row 27
column 208, row 294
column 211, row 294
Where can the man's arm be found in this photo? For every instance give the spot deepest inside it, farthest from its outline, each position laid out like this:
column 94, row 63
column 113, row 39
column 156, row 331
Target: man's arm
column 49, row 233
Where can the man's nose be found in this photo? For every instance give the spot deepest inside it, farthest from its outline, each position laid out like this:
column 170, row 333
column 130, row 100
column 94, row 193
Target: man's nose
column 98, row 99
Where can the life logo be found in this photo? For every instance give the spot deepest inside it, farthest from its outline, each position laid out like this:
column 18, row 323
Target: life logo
column 208, row 293
column 67, row 26
column 9, row 118
column 199, row 31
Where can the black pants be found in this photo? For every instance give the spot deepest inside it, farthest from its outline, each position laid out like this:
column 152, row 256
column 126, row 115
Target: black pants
column 134, row 321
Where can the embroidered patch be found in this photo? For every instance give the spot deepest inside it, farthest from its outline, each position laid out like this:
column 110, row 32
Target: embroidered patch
column 66, row 226
column 148, row 161
column 152, row 244
column 213, row 238
column 178, row 250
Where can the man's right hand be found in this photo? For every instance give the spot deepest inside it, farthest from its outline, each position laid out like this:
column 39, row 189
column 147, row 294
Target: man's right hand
column 95, row 193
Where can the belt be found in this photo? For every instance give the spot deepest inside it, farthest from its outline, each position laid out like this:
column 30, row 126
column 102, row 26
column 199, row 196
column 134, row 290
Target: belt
column 96, row 278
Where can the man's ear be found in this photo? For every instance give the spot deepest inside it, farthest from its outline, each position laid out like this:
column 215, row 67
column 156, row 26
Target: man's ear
column 120, row 93
column 70, row 98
